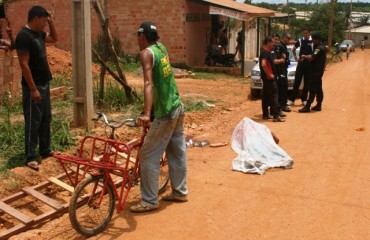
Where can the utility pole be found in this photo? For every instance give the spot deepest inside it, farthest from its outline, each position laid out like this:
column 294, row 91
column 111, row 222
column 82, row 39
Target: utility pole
column 350, row 22
column 330, row 35
column 83, row 108
column 287, row 6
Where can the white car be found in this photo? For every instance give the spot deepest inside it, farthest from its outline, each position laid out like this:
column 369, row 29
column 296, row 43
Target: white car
column 256, row 81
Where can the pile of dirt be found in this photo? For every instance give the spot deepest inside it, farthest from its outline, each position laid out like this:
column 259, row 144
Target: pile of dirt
column 60, row 62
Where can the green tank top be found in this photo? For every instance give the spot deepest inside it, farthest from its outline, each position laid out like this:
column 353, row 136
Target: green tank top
column 166, row 96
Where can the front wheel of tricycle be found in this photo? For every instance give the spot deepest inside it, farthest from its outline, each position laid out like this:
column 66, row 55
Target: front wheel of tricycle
column 164, row 176
column 91, row 209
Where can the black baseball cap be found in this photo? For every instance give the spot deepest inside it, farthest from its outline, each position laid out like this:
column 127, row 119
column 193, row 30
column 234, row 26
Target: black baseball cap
column 147, row 28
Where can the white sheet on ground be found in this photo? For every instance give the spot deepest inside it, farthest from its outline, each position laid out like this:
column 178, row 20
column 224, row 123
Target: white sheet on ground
column 256, row 148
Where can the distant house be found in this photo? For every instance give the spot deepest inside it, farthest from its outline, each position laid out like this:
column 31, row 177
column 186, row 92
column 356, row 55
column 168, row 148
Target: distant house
column 357, row 18
column 305, row 15
column 358, row 34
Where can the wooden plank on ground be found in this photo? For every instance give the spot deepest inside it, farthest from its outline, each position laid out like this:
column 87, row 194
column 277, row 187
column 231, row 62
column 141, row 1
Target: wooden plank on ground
column 14, row 197
column 61, row 184
column 51, row 214
column 13, row 231
column 51, row 202
column 80, row 172
column 124, row 155
column 15, row 213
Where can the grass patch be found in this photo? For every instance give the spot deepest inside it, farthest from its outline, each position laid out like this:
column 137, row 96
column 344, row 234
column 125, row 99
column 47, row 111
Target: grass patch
column 12, row 131
column 196, row 105
column 215, row 76
column 115, row 100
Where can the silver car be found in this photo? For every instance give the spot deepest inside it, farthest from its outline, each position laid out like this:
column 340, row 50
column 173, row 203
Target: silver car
column 343, row 45
column 256, row 81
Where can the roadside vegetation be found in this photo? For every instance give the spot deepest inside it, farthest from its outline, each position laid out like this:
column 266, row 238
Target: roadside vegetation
column 12, row 122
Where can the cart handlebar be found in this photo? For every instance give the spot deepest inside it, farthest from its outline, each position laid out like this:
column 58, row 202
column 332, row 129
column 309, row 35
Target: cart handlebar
column 130, row 122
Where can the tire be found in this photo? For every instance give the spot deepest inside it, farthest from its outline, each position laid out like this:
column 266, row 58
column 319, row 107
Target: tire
column 86, row 217
column 164, row 175
column 256, row 93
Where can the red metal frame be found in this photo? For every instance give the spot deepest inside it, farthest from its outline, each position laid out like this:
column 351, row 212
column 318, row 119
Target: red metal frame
column 105, row 165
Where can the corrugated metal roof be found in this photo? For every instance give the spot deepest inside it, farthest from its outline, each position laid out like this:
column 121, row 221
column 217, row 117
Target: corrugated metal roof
column 363, row 29
column 251, row 10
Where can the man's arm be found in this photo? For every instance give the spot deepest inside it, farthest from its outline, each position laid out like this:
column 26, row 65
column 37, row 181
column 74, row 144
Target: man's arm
column 146, row 58
column 280, row 60
column 267, row 68
column 23, row 62
column 51, row 37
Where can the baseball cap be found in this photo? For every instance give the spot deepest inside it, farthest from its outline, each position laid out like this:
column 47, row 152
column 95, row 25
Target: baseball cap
column 147, row 28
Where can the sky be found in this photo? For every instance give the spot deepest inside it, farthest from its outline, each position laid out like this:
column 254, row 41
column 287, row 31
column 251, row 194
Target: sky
column 302, row 1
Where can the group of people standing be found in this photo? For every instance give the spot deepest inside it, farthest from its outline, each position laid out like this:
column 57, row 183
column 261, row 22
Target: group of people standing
column 274, row 63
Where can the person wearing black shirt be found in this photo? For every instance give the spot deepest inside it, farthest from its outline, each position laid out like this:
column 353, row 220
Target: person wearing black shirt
column 31, row 50
column 304, row 67
column 318, row 60
column 281, row 61
column 283, row 87
column 269, row 90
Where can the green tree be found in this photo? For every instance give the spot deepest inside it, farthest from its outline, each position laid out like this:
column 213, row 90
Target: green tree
column 319, row 22
column 364, row 20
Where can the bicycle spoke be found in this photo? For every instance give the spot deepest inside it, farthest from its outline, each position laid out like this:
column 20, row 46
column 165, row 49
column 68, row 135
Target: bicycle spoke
column 94, row 209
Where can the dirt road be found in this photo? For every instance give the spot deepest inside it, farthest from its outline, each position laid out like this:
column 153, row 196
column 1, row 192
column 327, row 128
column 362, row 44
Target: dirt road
column 324, row 196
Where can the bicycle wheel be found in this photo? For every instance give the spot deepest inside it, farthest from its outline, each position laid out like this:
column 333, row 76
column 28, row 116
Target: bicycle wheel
column 87, row 216
column 164, row 175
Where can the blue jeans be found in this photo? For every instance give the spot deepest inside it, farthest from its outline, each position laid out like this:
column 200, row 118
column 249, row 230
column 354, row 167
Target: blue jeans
column 165, row 134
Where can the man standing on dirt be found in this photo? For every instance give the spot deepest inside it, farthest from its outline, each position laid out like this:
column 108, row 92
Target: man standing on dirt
column 269, row 90
column 31, row 50
column 318, row 59
column 283, row 84
column 304, row 67
column 279, row 54
column 166, row 133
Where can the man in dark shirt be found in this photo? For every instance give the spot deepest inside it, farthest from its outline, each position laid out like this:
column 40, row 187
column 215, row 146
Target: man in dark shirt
column 269, row 90
column 304, row 67
column 31, row 50
column 318, row 60
column 283, row 88
column 281, row 61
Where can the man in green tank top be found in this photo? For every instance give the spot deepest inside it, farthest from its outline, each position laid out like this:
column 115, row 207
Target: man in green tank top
column 166, row 133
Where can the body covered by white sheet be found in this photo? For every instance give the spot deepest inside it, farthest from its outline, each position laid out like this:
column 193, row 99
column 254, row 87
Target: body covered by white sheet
column 256, row 148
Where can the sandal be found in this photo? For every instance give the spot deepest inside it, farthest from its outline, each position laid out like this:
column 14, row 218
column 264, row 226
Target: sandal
column 140, row 208
column 33, row 165
column 174, row 198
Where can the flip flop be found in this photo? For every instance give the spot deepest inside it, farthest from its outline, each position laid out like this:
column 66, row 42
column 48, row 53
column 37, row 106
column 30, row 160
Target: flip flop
column 33, row 165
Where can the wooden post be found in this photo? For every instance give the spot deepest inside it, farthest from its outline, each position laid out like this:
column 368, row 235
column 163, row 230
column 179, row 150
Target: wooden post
column 242, row 49
column 83, row 106
column 331, row 23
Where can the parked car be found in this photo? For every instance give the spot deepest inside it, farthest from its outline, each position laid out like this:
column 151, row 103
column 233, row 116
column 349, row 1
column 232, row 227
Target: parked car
column 343, row 45
column 256, row 81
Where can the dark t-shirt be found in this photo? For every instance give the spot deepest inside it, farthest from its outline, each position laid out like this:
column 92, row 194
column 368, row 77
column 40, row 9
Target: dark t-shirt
column 277, row 53
column 33, row 43
column 265, row 54
column 287, row 57
column 305, row 45
column 319, row 59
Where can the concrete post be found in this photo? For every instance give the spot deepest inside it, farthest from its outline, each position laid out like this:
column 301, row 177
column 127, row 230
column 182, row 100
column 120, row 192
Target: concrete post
column 83, row 107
